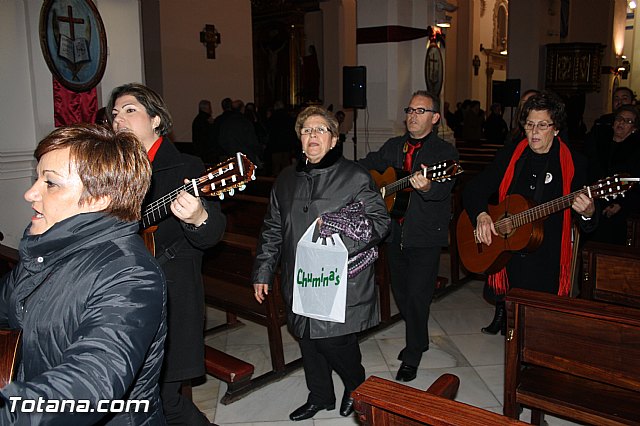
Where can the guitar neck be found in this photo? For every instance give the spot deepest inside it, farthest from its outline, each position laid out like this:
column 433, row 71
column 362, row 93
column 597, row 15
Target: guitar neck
column 401, row 184
column 159, row 209
column 538, row 212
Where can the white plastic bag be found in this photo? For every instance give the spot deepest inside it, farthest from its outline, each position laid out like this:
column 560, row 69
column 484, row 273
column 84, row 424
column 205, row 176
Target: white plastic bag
column 320, row 277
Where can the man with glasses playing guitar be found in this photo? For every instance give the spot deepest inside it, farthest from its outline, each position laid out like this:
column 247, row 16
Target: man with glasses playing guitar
column 417, row 236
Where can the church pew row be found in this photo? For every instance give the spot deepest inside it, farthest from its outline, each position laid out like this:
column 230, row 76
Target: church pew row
column 381, row 402
column 611, row 273
column 633, row 230
column 573, row 358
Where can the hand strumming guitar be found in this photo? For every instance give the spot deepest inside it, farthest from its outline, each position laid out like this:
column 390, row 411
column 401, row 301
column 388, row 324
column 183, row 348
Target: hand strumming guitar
column 189, row 209
column 484, row 228
column 419, row 182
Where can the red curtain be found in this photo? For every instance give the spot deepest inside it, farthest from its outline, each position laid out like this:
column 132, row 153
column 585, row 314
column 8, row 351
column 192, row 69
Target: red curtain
column 71, row 107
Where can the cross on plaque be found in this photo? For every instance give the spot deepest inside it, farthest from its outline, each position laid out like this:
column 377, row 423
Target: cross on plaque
column 69, row 19
column 211, row 39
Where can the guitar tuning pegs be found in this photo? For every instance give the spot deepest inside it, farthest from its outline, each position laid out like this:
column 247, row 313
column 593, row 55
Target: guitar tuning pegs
column 221, row 196
column 253, row 176
column 242, row 187
column 231, row 192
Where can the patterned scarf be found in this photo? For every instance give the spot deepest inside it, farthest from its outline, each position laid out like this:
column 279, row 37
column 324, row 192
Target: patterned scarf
column 499, row 281
column 351, row 222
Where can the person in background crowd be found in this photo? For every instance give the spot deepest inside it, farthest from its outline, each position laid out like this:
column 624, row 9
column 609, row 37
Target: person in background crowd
column 495, row 129
column 619, row 154
column 602, row 129
column 202, row 131
column 517, row 132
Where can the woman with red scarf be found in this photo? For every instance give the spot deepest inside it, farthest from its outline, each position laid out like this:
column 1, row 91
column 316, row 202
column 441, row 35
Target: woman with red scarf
column 541, row 168
column 193, row 225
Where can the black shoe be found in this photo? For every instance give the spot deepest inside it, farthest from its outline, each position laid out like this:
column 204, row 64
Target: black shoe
column 499, row 322
column 426, row 348
column 346, row 407
column 406, row 373
column 307, row 411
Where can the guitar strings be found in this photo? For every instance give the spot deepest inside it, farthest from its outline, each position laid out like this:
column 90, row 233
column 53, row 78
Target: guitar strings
column 149, row 215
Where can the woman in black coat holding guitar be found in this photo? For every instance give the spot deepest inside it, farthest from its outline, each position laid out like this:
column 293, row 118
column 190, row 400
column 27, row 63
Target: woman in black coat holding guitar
column 541, row 168
column 191, row 225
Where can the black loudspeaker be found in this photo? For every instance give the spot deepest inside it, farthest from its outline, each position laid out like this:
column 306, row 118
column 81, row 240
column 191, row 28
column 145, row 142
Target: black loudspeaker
column 512, row 92
column 497, row 92
column 354, row 87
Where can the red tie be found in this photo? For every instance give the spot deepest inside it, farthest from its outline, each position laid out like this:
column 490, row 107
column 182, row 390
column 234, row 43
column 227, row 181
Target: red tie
column 408, row 157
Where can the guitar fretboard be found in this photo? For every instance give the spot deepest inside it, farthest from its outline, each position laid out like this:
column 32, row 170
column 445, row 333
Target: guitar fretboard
column 159, row 209
column 404, row 183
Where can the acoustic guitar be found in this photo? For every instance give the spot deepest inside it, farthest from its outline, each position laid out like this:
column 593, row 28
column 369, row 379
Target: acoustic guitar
column 396, row 189
column 10, row 350
column 519, row 224
column 218, row 180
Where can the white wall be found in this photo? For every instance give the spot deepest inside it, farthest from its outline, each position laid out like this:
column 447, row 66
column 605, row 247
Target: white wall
column 188, row 76
column 26, row 110
column 121, row 20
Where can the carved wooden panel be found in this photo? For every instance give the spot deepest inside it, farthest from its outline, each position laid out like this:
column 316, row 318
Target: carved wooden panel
column 573, row 67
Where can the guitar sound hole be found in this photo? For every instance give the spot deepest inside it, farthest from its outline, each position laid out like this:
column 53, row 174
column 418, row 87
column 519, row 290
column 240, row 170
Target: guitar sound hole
column 504, row 226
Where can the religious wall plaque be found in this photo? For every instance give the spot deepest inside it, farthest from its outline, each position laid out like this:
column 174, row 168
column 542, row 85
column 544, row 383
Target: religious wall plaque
column 573, row 67
column 434, row 69
column 73, row 42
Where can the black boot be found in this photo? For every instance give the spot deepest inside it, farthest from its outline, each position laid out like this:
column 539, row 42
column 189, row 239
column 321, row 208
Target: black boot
column 499, row 322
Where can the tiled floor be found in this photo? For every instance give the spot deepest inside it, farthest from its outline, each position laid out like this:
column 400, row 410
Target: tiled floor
column 457, row 346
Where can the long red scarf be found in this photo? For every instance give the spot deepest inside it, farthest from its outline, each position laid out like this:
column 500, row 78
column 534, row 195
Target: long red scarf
column 499, row 281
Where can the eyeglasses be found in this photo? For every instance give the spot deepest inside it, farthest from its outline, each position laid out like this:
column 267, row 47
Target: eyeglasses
column 621, row 119
column 542, row 125
column 321, row 130
column 410, row 110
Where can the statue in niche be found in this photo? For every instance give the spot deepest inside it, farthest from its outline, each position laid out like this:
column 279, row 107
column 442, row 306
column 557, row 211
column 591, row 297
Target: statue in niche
column 311, row 75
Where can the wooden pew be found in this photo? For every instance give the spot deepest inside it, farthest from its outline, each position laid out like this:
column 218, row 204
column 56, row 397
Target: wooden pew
column 384, row 402
column 611, row 273
column 573, row 358
column 233, row 371
column 633, row 230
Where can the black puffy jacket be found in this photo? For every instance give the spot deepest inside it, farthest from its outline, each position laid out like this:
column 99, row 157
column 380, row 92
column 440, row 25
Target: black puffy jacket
column 90, row 300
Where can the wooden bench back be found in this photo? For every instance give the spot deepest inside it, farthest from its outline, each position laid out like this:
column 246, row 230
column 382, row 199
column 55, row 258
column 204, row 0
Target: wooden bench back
column 611, row 273
column 579, row 343
column 384, row 402
column 572, row 357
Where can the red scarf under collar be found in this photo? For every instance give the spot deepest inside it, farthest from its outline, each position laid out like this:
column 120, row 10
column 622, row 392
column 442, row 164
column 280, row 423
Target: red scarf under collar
column 499, row 281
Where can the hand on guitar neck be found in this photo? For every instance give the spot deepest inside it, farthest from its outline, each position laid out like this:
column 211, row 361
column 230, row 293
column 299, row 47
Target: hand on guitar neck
column 188, row 208
column 419, row 180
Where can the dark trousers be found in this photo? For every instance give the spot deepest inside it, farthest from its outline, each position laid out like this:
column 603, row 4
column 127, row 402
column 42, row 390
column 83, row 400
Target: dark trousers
column 414, row 271
column 320, row 356
column 179, row 410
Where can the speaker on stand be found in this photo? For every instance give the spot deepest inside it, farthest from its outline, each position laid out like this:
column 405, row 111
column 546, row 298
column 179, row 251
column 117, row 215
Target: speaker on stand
column 354, row 95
